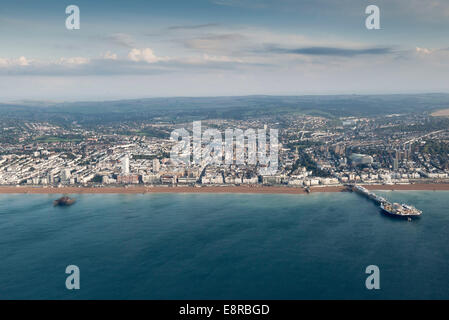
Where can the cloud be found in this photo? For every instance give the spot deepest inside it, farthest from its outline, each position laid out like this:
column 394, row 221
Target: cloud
column 310, row 58
column 423, row 50
column 73, row 61
column 215, row 42
column 330, row 51
column 221, row 59
column 21, row 61
column 432, row 57
column 145, row 55
column 136, row 62
column 109, row 56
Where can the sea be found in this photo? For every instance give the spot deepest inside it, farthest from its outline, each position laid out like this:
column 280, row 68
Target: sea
column 223, row 246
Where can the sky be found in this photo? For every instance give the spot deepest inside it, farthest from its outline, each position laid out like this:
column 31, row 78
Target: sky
column 147, row 48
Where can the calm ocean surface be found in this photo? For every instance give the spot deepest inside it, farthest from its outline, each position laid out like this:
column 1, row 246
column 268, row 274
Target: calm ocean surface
column 223, row 246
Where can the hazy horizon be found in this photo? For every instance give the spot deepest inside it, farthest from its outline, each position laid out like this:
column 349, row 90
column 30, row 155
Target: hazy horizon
column 56, row 101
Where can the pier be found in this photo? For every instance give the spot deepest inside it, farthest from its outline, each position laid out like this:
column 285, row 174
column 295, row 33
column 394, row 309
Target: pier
column 394, row 209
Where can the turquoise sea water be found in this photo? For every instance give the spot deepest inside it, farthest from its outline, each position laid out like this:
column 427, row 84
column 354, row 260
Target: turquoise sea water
column 223, row 246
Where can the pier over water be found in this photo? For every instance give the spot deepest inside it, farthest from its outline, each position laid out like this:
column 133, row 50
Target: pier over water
column 394, row 209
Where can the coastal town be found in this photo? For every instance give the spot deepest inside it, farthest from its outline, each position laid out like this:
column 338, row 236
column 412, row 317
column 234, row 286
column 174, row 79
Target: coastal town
column 313, row 151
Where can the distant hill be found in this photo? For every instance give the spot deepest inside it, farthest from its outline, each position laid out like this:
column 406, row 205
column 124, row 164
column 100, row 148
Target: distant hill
column 240, row 107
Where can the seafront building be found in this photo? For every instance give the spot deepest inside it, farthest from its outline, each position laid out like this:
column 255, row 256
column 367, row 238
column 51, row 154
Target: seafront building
column 310, row 154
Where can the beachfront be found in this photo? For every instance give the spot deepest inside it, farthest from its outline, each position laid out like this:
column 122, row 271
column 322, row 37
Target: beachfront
column 214, row 189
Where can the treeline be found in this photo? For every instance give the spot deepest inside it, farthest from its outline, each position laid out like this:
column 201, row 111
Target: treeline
column 305, row 160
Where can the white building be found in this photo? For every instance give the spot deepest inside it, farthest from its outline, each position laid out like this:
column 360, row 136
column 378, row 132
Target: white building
column 65, row 175
column 125, row 165
column 156, row 165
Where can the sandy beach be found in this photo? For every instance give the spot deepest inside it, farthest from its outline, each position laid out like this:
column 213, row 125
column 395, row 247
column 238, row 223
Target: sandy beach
column 212, row 189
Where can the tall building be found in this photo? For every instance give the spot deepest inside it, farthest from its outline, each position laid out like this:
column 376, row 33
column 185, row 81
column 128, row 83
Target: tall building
column 395, row 164
column 65, row 175
column 125, row 165
column 156, row 165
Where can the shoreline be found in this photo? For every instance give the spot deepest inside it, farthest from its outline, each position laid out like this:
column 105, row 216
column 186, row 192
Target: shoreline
column 215, row 189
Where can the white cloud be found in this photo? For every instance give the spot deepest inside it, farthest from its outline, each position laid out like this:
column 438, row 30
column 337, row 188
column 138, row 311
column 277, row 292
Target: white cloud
column 209, row 58
column 73, row 61
column 145, row 55
column 110, row 56
column 423, row 50
column 21, row 61
column 215, row 42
